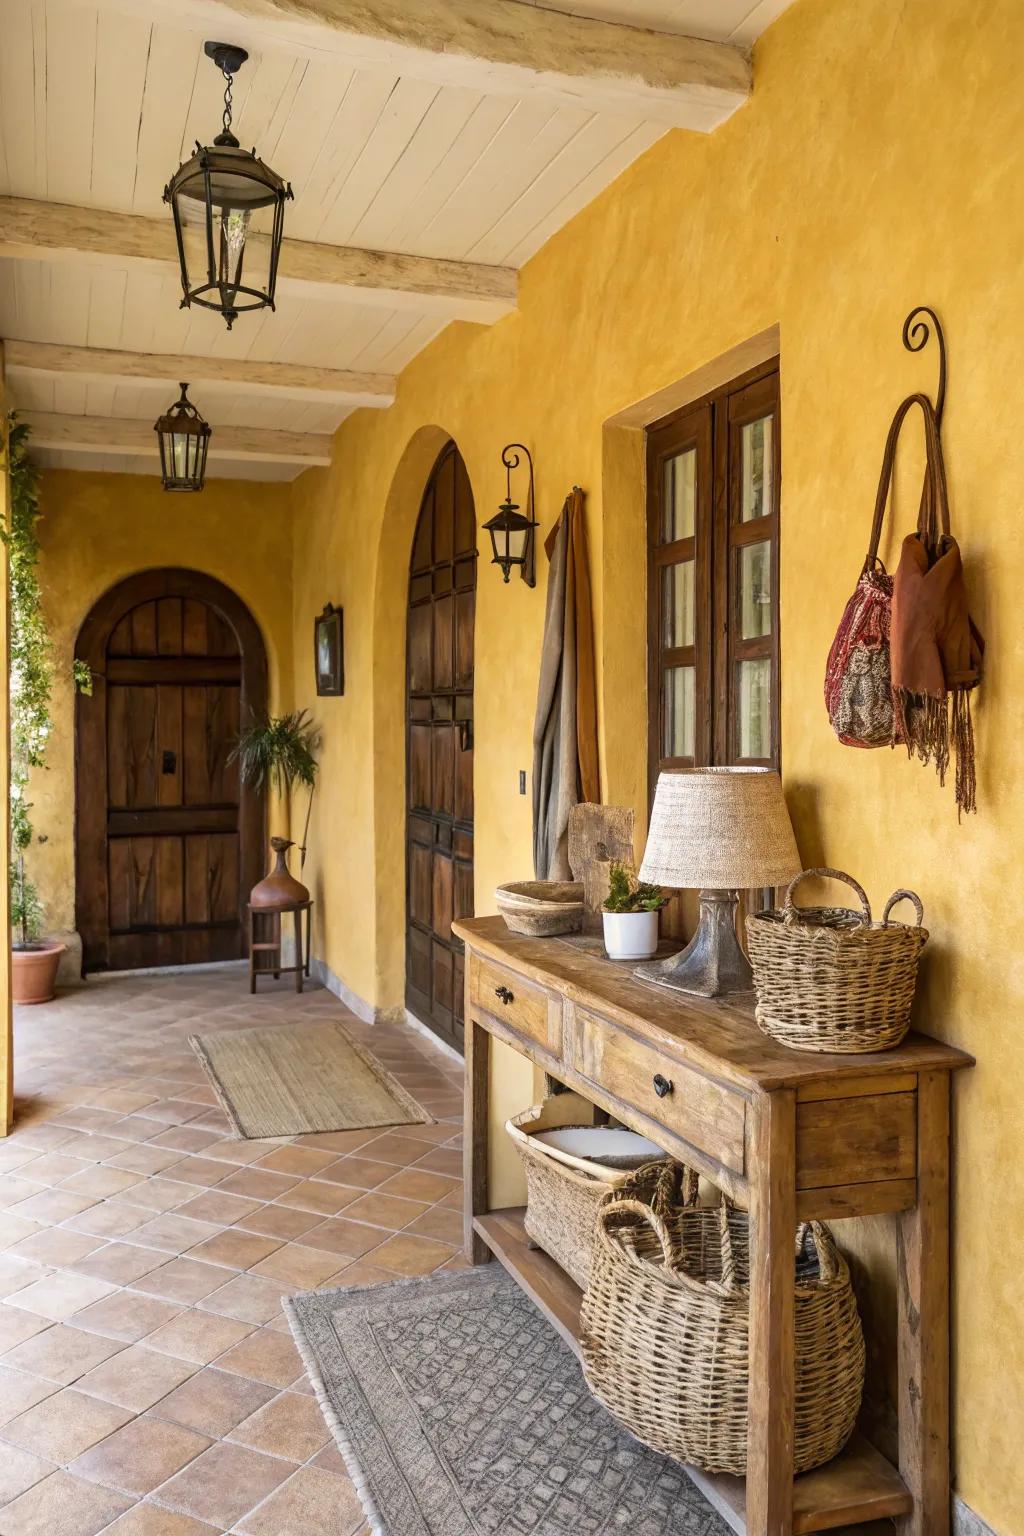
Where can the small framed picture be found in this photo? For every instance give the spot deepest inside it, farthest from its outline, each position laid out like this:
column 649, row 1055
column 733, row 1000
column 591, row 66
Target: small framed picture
column 329, row 651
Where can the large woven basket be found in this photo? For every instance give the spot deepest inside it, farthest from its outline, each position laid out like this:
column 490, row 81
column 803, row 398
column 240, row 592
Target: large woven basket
column 830, row 979
column 665, row 1327
column 562, row 1193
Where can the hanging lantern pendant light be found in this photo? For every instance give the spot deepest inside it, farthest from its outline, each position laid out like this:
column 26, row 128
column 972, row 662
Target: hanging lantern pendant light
column 184, row 438
column 221, row 187
column 512, row 533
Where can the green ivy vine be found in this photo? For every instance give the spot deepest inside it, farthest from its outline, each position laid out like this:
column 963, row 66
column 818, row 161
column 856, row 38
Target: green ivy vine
column 31, row 670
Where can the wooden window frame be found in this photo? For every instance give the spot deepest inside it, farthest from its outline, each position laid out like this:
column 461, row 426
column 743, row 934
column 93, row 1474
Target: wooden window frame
column 713, row 426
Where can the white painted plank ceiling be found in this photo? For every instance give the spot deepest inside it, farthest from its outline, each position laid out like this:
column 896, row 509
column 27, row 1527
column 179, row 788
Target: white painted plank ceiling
column 99, row 103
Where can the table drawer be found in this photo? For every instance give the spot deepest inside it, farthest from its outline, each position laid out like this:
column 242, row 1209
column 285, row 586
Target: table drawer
column 703, row 1112
column 517, row 1003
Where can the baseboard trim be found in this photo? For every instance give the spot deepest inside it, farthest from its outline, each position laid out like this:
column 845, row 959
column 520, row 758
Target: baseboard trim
column 967, row 1523
column 435, row 1039
column 359, row 1006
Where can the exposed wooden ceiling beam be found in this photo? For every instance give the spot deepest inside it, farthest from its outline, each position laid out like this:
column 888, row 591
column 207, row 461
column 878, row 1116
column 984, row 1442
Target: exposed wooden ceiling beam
column 101, row 434
column 38, row 231
column 500, row 47
column 326, row 385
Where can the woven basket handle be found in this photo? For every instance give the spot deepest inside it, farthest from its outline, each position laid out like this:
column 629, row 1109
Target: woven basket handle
column 901, row 895
column 610, row 1214
column 791, row 913
column 727, row 1285
column 824, row 1246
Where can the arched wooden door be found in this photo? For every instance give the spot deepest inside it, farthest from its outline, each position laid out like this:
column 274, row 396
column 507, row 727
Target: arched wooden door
column 168, row 842
column 439, row 760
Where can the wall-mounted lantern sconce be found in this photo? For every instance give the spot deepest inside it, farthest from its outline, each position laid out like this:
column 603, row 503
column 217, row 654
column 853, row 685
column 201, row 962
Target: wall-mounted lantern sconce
column 217, row 191
column 512, row 534
column 184, row 438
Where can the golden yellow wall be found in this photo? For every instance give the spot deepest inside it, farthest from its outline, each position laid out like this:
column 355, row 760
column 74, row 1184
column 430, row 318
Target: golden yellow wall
column 879, row 165
column 97, row 529
column 6, row 1020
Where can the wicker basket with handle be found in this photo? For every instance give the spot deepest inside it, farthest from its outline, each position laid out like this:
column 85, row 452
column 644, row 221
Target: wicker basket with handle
column 665, row 1327
column 830, row 979
column 562, row 1192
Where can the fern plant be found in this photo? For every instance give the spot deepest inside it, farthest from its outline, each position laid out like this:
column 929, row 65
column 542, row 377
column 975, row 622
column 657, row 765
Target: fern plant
column 280, row 751
column 627, row 894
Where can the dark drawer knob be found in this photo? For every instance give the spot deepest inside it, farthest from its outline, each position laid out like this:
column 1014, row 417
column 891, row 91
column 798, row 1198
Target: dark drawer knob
column 504, row 995
column 662, row 1085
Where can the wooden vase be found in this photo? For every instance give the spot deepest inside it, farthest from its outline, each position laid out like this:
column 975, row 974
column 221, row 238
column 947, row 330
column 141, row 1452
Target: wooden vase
column 279, row 891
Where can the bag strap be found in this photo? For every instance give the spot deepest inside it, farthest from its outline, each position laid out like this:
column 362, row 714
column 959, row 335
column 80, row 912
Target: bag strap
column 933, row 514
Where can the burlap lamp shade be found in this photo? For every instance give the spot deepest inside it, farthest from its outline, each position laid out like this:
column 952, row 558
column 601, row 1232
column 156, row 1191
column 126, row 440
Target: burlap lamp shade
column 716, row 830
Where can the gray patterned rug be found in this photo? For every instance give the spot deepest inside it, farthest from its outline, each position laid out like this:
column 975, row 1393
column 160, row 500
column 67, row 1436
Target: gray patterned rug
column 460, row 1412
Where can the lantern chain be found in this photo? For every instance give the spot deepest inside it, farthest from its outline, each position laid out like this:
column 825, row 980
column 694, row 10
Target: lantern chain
column 227, row 100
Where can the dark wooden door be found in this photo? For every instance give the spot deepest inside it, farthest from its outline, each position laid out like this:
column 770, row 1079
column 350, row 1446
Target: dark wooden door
column 439, row 760
column 169, row 842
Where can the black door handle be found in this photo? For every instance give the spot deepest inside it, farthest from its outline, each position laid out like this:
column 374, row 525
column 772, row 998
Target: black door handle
column 504, row 995
column 662, row 1085
column 170, row 762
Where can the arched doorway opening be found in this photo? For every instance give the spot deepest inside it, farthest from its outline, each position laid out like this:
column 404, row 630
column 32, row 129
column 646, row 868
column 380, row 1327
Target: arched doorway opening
column 168, row 842
column 439, row 745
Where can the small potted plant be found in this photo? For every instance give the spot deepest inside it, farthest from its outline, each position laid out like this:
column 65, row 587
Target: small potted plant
column 280, row 752
column 631, row 916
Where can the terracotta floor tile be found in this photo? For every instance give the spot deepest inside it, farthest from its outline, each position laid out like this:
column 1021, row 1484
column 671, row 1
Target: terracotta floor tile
column 362, row 1272
column 279, row 1221
column 136, row 1378
column 264, row 1356
column 162, row 1194
column 14, row 1229
column 146, row 1519
column 18, row 1392
column 52, row 1168
column 407, row 1255
column 146, row 1159
column 299, row 1160
column 141, row 1456
column 108, row 1220
column 198, row 1336
column 120, row 1263
column 202, row 1171
column 126, row 1315
column 60, row 1294
column 388, row 1211
column 296, row 1265
column 171, row 1111
column 256, row 1184
column 442, row 1160
column 223, row 1484
column 92, row 1147
column 322, row 1197
column 183, row 1280
column 126, row 1100
column 289, row 1425
column 19, row 1471
column 231, row 1149
column 419, row 1184
column 131, row 1128
column 337, row 1142
column 250, row 1298
column 234, row 1249
column 100, row 1180
column 55, row 1246
column 348, row 1239
column 218, row 1208
column 394, row 1147
column 64, row 1504
column 51, row 1206
column 62, row 1354
column 184, row 1139
column 15, row 1189
column 311, row 1500
column 214, row 1401
column 360, row 1171
column 64, row 1425
column 17, row 1273
column 446, row 1225
column 173, row 1233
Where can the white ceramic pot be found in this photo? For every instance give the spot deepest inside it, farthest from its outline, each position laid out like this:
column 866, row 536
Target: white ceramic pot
column 630, row 935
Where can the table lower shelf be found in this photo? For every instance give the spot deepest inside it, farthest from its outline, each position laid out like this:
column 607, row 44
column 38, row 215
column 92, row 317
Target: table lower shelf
column 859, row 1486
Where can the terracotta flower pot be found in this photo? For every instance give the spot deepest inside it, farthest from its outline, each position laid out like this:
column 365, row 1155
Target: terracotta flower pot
column 280, row 891
column 35, row 971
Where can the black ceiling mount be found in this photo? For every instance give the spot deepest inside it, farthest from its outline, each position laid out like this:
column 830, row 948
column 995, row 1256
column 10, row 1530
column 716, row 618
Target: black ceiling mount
column 226, row 56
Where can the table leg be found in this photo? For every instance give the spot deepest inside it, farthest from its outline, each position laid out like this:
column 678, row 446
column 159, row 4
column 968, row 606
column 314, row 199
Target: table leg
column 922, row 1249
column 298, row 949
column 478, row 1055
column 772, row 1163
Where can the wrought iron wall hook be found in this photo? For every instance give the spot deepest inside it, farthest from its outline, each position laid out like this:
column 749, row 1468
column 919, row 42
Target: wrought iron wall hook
column 916, row 334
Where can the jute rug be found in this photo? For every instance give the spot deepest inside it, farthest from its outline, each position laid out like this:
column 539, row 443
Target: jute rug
column 460, row 1412
column 300, row 1078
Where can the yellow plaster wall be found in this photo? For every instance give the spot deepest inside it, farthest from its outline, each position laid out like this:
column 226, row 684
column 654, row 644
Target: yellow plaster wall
column 95, row 530
column 6, row 1017
column 879, row 165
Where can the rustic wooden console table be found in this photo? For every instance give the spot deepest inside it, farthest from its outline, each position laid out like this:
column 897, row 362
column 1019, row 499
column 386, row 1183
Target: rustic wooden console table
column 788, row 1136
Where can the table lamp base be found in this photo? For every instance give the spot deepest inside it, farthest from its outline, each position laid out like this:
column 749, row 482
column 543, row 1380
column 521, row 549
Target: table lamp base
column 712, row 964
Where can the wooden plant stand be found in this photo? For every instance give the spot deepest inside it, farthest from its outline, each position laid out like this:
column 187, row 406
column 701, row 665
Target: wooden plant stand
column 789, row 1136
column 265, row 943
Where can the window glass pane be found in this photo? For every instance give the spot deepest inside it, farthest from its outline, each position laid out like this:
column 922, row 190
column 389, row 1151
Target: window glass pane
column 756, row 496
column 754, row 707
column 679, row 712
column 677, row 604
column 678, row 497
column 755, row 591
